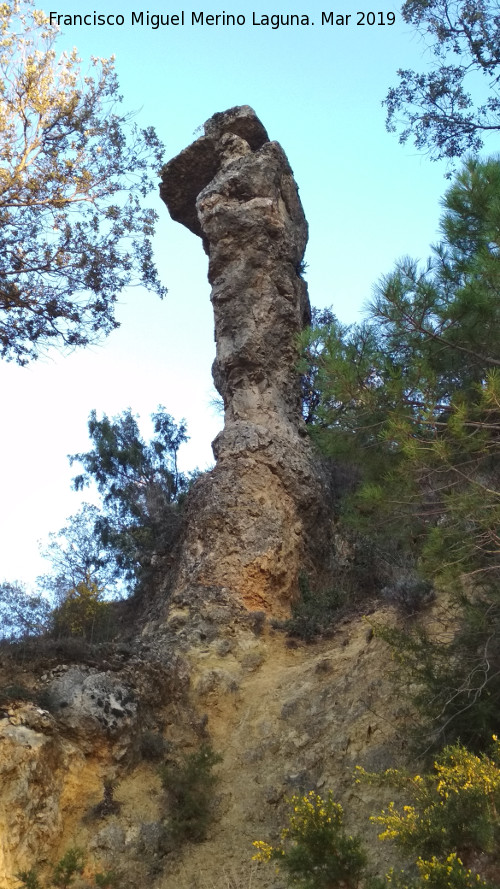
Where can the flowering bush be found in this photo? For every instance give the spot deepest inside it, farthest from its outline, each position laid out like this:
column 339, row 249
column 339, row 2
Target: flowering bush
column 436, row 874
column 448, row 874
column 450, row 830
column 315, row 852
column 455, row 808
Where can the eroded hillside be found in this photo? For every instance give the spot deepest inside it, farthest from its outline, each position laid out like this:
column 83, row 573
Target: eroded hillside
column 285, row 716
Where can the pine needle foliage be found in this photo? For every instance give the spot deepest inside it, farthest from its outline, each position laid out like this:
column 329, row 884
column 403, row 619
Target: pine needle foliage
column 68, row 869
column 411, row 397
column 141, row 487
column 190, row 785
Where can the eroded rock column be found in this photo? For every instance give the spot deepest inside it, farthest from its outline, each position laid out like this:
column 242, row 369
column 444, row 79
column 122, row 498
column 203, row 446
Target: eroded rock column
column 252, row 521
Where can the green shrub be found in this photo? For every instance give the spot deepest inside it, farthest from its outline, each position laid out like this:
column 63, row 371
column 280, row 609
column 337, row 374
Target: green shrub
column 452, row 681
column 29, row 879
column 449, row 830
column 436, row 874
column 453, row 809
column 70, row 865
column 107, row 880
column 153, row 746
column 451, row 820
column 314, row 613
column 15, row 692
column 359, row 576
column 316, row 852
column 189, row 785
column 66, row 870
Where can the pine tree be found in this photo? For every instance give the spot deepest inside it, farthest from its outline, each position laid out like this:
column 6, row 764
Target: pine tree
column 412, row 396
column 140, row 485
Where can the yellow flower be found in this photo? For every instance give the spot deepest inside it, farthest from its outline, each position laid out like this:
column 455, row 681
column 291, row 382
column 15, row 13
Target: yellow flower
column 264, row 851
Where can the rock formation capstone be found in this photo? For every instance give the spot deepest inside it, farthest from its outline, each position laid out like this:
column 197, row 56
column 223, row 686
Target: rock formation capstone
column 258, row 518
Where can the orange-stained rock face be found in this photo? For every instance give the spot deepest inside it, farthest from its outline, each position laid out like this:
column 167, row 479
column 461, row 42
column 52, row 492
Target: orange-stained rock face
column 260, row 516
column 245, row 534
column 44, row 778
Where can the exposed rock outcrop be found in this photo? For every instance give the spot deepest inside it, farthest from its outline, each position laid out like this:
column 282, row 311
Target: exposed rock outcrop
column 259, row 517
column 45, row 779
column 55, row 763
column 285, row 716
column 285, row 719
column 86, row 700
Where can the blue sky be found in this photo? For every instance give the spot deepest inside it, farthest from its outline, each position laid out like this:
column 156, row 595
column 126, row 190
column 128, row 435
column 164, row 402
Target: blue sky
column 368, row 200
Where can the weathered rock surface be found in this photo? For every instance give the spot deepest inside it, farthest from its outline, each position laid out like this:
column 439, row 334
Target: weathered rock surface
column 260, row 516
column 88, row 701
column 45, row 779
column 285, row 719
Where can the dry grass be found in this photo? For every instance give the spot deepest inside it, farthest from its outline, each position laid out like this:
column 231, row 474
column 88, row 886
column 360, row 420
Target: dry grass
column 231, row 878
